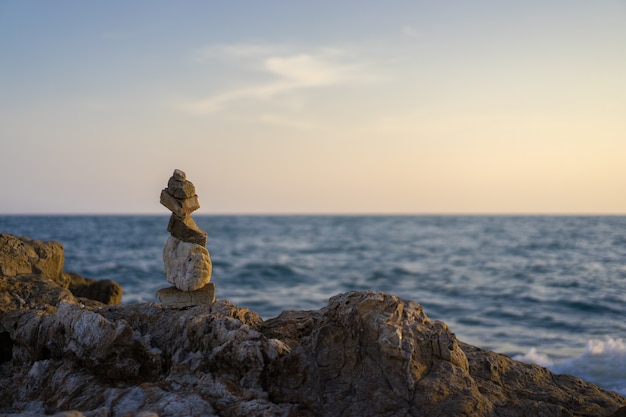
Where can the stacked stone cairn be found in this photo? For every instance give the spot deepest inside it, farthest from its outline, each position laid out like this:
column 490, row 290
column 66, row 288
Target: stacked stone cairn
column 186, row 260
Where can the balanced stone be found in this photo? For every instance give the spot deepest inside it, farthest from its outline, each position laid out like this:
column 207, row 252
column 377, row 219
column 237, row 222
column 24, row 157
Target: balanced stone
column 174, row 296
column 181, row 208
column 181, row 189
column 186, row 230
column 179, row 175
column 187, row 265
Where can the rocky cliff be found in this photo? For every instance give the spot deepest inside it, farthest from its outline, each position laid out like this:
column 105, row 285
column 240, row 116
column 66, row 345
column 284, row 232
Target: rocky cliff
column 364, row 354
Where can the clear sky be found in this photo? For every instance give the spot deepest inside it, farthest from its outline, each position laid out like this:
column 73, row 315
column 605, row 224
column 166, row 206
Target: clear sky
column 314, row 106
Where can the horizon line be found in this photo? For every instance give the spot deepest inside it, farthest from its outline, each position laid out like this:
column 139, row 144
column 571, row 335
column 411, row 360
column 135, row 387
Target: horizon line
column 329, row 214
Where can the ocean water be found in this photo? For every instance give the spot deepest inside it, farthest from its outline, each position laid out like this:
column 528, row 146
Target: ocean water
column 548, row 290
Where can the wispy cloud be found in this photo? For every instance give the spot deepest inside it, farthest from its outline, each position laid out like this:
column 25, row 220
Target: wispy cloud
column 290, row 70
column 281, row 121
column 239, row 50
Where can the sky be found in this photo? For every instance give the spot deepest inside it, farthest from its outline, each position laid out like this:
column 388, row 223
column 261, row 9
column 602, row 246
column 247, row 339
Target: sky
column 316, row 107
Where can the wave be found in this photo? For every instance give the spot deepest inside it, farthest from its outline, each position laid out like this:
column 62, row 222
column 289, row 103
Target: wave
column 603, row 362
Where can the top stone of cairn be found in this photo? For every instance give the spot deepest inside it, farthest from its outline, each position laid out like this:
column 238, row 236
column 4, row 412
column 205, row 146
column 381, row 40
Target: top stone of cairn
column 180, row 195
column 178, row 186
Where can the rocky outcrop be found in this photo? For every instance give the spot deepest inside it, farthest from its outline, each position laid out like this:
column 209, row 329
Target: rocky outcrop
column 30, row 292
column 21, row 255
column 364, row 354
column 33, row 260
column 371, row 353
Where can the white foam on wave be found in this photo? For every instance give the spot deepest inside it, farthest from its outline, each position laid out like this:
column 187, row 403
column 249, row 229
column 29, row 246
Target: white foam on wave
column 533, row 356
column 602, row 363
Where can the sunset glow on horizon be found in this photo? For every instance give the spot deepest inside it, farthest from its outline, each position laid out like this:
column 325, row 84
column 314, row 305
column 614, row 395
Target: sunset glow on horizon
column 408, row 107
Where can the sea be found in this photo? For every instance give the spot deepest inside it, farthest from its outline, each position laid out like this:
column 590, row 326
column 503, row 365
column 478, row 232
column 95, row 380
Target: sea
column 549, row 290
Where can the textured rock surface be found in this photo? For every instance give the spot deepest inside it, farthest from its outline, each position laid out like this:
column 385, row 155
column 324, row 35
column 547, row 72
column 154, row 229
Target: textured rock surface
column 174, row 296
column 365, row 354
column 21, row 255
column 31, row 291
column 187, row 265
column 29, row 259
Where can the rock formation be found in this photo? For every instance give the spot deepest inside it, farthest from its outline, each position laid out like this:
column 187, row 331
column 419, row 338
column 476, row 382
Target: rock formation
column 22, row 257
column 364, row 354
column 186, row 260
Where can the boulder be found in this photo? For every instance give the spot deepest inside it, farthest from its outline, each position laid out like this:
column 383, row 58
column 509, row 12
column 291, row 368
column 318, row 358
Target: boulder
column 187, row 265
column 364, row 354
column 21, row 255
column 105, row 291
column 371, row 353
column 187, row 230
column 174, row 296
column 28, row 259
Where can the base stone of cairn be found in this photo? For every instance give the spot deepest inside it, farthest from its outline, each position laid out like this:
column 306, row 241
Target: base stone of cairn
column 175, row 297
column 186, row 260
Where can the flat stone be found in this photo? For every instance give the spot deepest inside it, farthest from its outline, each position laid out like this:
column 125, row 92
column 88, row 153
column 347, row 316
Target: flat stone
column 181, row 208
column 187, row 265
column 186, row 230
column 174, row 296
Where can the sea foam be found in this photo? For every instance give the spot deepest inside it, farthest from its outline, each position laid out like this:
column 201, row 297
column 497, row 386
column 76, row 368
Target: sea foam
column 603, row 362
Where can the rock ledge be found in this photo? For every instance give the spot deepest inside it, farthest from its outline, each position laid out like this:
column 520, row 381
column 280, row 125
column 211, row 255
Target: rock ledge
column 364, row 354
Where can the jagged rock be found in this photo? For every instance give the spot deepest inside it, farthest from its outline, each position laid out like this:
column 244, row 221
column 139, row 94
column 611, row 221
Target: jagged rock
column 535, row 391
column 371, row 353
column 181, row 208
column 27, row 259
column 21, row 255
column 365, row 354
column 174, row 296
column 187, row 265
column 105, row 291
column 186, row 230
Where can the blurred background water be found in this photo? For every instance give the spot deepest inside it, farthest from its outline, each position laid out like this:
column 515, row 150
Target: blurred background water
column 549, row 290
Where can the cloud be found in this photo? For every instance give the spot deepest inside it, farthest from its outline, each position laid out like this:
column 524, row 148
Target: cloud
column 275, row 120
column 290, row 71
column 238, row 51
column 304, row 70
